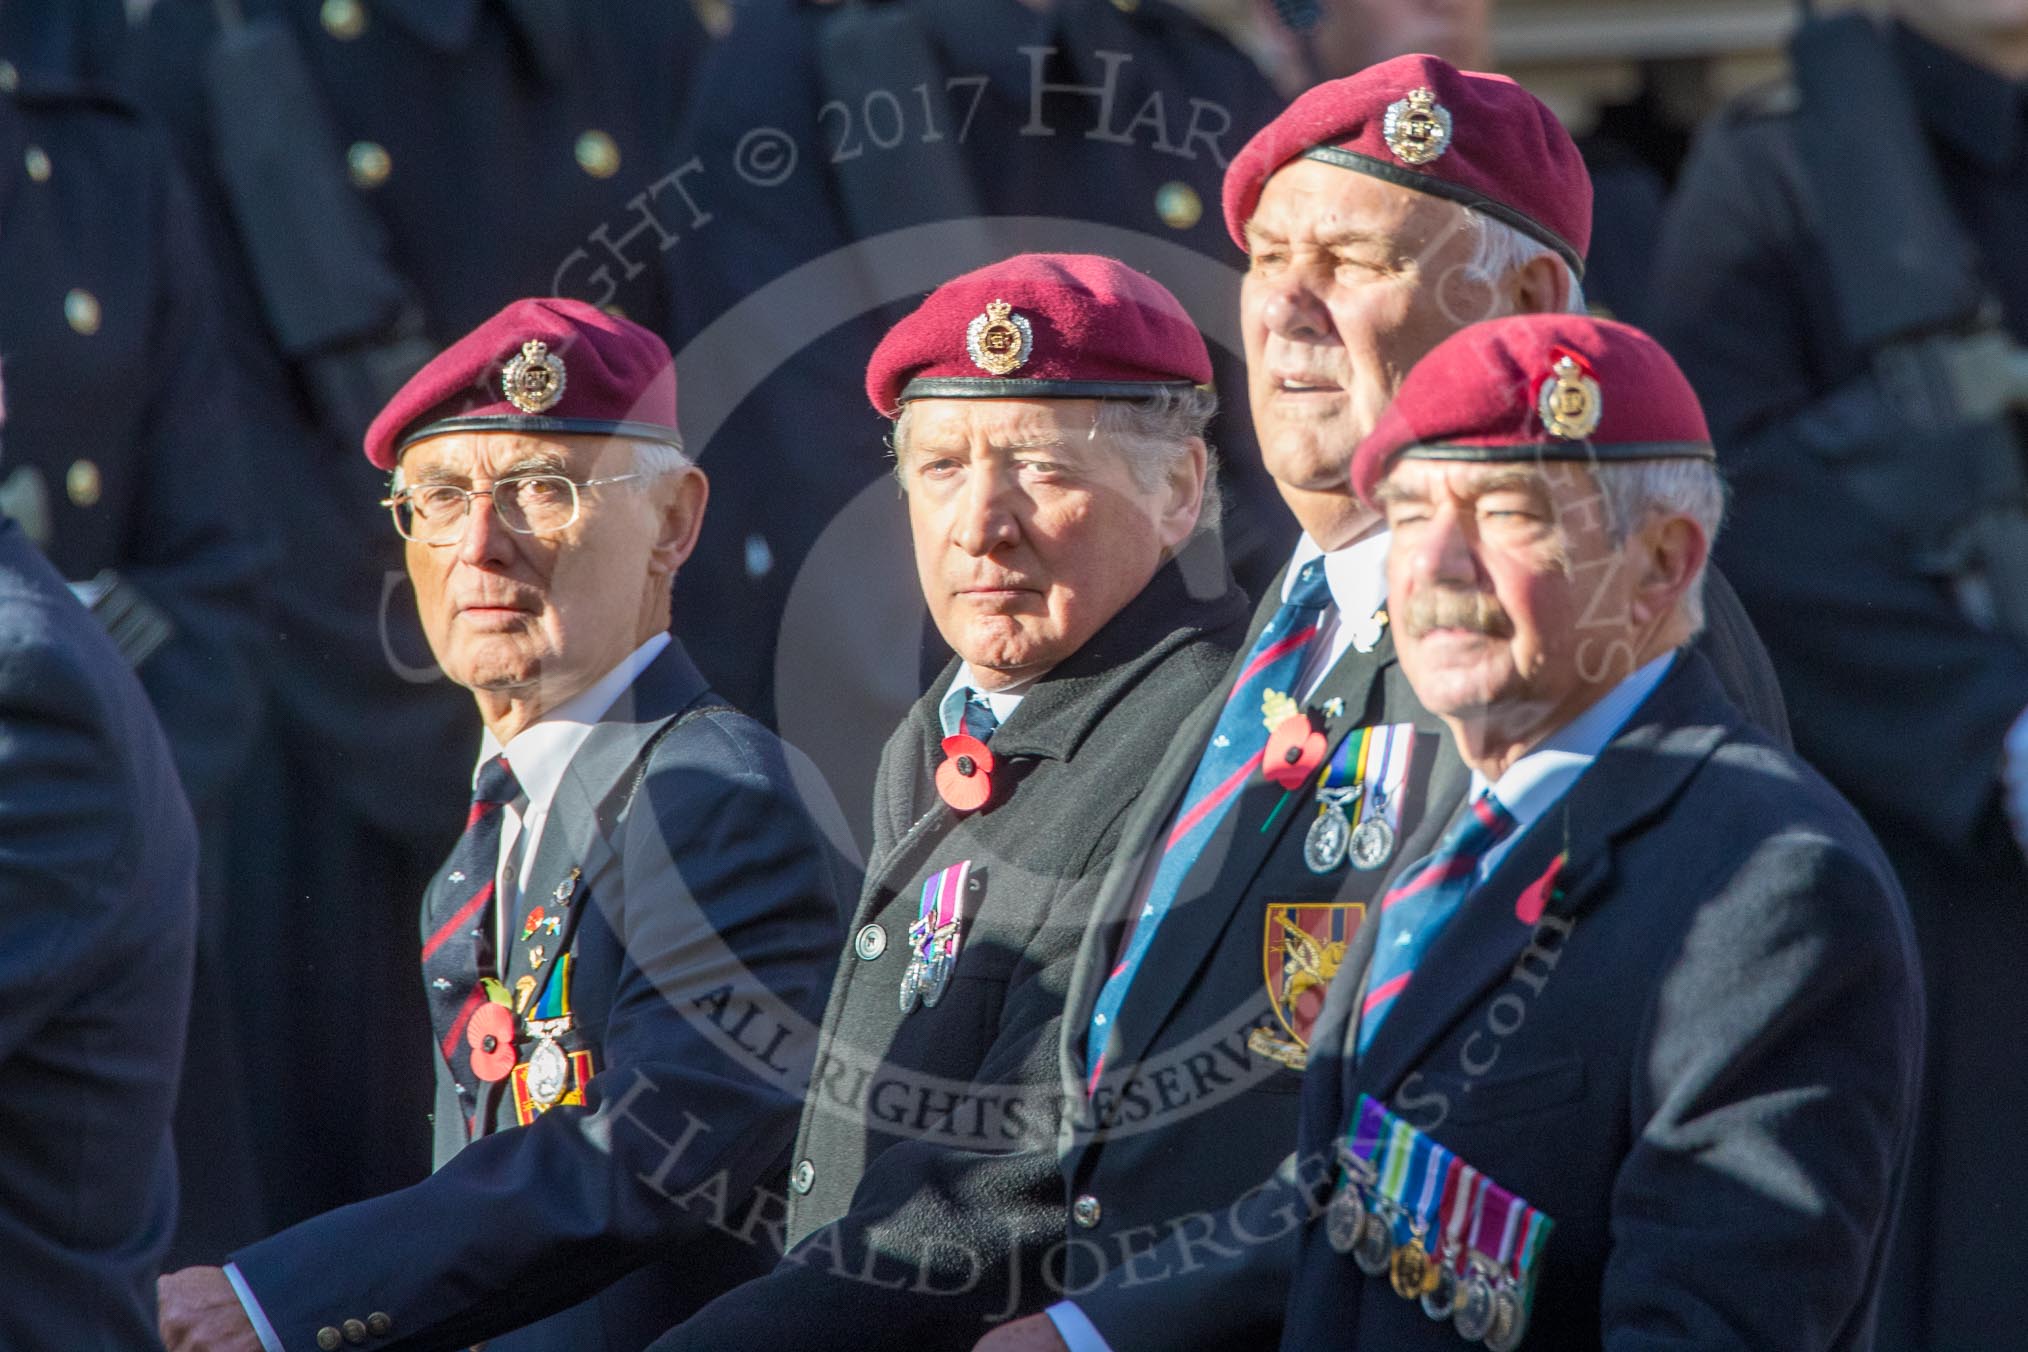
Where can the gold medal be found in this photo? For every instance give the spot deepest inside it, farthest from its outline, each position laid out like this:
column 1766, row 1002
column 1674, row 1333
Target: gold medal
column 1411, row 1273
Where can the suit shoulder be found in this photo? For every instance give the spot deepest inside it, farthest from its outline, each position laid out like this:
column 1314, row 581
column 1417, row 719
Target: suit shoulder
column 713, row 735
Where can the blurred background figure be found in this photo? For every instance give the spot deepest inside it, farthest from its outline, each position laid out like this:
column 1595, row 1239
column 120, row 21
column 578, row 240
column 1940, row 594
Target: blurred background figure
column 98, row 919
column 1842, row 278
column 66, row 39
column 893, row 144
column 126, row 464
column 377, row 176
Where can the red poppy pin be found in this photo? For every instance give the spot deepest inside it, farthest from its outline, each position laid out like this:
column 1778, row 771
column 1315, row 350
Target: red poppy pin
column 1529, row 905
column 532, row 923
column 491, row 1037
column 1295, row 749
column 965, row 779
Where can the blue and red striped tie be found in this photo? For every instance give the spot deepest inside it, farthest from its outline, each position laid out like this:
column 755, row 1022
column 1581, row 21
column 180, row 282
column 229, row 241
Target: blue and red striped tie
column 457, row 949
column 1229, row 761
column 1416, row 909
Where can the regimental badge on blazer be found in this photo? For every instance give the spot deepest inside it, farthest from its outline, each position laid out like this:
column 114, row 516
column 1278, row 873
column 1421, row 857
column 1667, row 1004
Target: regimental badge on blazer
column 1302, row 948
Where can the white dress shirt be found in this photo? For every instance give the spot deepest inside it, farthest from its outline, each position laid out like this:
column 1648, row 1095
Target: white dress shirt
column 1528, row 789
column 1003, row 703
column 539, row 754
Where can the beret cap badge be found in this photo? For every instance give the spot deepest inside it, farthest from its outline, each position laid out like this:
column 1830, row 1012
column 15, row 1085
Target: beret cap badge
column 1569, row 401
column 1417, row 128
column 999, row 340
column 533, row 382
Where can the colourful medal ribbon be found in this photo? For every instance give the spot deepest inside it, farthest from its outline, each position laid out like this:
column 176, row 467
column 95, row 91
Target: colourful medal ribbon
column 1491, row 1222
column 1464, row 1195
column 555, row 1001
column 1384, row 779
column 1348, row 764
column 937, row 916
column 1369, row 1130
column 1402, row 1147
column 1536, row 1235
column 1426, row 1201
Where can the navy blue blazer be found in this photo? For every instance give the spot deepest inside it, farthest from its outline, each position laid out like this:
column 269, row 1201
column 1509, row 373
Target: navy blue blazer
column 702, row 930
column 98, row 925
column 1701, row 1062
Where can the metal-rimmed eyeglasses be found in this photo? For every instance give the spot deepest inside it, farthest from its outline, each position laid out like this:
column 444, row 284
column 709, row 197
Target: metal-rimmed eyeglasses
column 527, row 504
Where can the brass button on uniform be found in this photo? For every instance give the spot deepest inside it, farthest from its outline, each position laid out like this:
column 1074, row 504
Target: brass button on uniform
column 1126, row 6
column 355, row 1331
column 1086, row 1211
column 343, row 19
column 329, row 1339
column 379, row 1325
column 369, row 164
column 597, row 154
column 870, row 943
column 805, row 1177
column 84, row 483
column 81, row 308
column 10, row 78
column 1178, row 205
column 37, row 161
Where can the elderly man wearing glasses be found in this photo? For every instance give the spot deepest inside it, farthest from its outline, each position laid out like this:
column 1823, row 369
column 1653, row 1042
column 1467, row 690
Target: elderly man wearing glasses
column 627, row 951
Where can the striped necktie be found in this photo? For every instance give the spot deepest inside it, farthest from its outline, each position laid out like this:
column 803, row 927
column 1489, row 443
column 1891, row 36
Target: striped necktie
column 458, row 926
column 1416, row 909
column 1229, row 760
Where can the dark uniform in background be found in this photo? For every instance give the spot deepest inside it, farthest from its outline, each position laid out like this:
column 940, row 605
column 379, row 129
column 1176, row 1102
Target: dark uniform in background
column 1898, row 697
column 1096, row 127
column 65, row 39
column 487, row 142
column 126, row 464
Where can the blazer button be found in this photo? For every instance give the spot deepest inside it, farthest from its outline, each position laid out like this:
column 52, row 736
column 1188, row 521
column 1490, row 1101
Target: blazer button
column 870, row 943
column 355, row 1331
column 1086, row 1211
column 804, row 1178
column 329, row 1339
column 379, row 1325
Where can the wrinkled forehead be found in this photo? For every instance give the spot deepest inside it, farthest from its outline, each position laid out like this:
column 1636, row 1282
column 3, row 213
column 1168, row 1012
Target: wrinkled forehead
column 1311, row 202
column 945, row 424
column 491, row 455
column 1418, row 479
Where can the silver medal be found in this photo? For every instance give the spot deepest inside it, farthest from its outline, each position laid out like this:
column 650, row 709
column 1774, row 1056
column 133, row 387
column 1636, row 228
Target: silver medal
column 1373, row 1251
column 1331, row 834
column 1509, row 1324
column 1440, row 1301
column 548, row 1072
column 1372, row 841
column 1345, row 1217
column 911, row 985
column 1473, row 1317
column 936, row 979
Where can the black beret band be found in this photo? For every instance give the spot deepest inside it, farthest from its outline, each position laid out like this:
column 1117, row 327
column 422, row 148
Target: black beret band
column 1437, row 187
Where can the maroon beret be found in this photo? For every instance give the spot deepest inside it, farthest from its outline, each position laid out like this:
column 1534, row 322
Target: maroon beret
column 1538, row 387
column 1422, row 123
column 1040, row 326
column 540, row 365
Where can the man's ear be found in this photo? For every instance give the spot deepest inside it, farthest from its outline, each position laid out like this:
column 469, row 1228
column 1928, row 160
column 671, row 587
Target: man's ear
column 1541, row 286
column 679, row 516
column 1182, row 496
column 1669, row 553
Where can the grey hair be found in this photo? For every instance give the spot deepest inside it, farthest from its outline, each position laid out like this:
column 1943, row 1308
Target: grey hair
column 657, row 460
column 1636, row 490
column 1502, row 248
column 1154, row 432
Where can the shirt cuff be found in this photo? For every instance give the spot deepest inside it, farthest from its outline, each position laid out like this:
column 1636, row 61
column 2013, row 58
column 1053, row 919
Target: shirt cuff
column 1079, row 1334
column 254, row 1314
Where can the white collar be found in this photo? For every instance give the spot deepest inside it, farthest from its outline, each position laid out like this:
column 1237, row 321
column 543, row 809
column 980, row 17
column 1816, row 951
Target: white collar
column 1356, row 574
column 1533, row 783
column 1003, row 703
column 542, row 751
